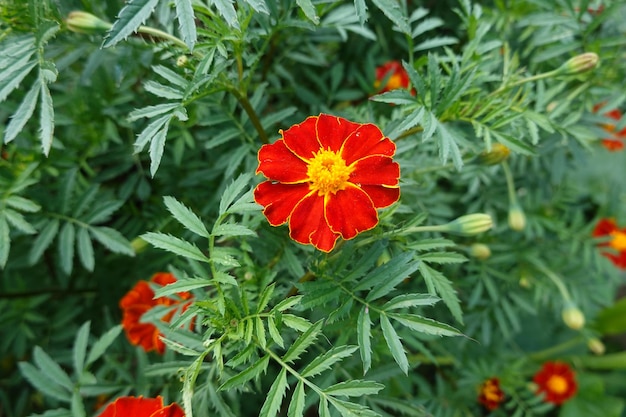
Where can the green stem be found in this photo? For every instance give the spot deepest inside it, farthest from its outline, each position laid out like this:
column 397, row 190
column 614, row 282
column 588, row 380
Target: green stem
column 509, row 183
column 553, row 351
column 254, row 118
column 524, row 81
column 554, row 278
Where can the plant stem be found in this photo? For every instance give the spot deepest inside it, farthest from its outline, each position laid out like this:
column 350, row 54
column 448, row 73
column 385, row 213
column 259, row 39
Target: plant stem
column 254, row 118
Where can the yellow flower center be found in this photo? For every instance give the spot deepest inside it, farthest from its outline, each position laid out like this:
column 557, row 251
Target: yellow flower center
column 327, row 172
column 491, row 392
column 619, row 240
column 395, row 81
column 557, row 384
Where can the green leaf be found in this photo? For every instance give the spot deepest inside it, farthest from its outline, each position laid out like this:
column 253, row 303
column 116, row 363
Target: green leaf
column 449, row 146
column 249, row 373
column 22, row 204
column 275, row 395
column 151, row 111
column 265, row 297
column 259, row 328
column 364, row 336
column 354, row 388
column 443, row 257
column 274, row 333
column 18, row 221
column 101, row 345
column 157, row 145
column 327, row 360
column 52, row 369
column 398, row 96
column 174, row 245
column 223, row 256
column 309, row 10
column 42, row 382
column 424, row 325
column 225, row 278
column 349, row 409
column 80, row 347
column 394, row 12
column 46, row 119
column 410, row 300
column 402, row 265
column 384, row 287
column 426, row 25
column 323, row 410
column 133, row 15
column 234, row 189
column 151, row 130
column 361, row 11
column 231, row 230
column 13, row 75
column 66, row 247
column 296, row 406
column 112, row 240
column 295, row 322
column 23, row 113
column 43, row 240
column 435, row 43
column 85, row 249
column 227, row 11
column 438, row 284
column 287, row 303
column 185, row 216
column 394, row 344
column 5, row 241
column 78, row 408
column 305, row 340
column 186, row 22
column 163, row 91
column 182, row 285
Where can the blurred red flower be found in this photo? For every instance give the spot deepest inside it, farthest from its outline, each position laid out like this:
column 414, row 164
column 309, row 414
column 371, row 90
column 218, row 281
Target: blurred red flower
column 394, row 76
column 616, row 141
column 326, row 178
column 556, row 380
column 139, row 300
column 608, row 227
column 490, row 394
column 141, row 407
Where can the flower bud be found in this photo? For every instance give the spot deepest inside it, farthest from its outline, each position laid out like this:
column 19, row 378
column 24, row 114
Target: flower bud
column 596, row 346
column 138, row 244
column 83, row 22
column 579, row 64
column 182, row 61
column 573, row 317
column 469, row 225
column 480, row 251
column 497, row 154
column 517, row 218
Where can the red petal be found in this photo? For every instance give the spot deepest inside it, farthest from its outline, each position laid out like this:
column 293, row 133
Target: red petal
column 301, row 139
column 132, row 406
column 278, row 163
column 332, row 131
column 604, row 227
column 375, row 170
column 613, row 145
column 163, row 278
column 279, row 199
column 308, row 225
column 382, row 196
column 365, row 141
column 141, row 293
column 350, row 212
column 172, row 410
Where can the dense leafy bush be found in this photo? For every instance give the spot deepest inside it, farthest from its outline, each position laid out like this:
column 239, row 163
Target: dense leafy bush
column 290, row 208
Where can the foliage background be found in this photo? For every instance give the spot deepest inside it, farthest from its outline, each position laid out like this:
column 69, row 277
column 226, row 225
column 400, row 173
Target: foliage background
column 72, row 216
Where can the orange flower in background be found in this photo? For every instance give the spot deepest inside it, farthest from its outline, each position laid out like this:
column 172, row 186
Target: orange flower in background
column 608, row 227
column 141, row 407
column 326, row 178
column 616, row 141
column 139, row 300
column 394, row 74
column 490, row 394
column 556, row 380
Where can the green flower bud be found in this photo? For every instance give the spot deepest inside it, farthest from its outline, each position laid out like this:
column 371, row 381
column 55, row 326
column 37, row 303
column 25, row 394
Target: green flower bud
column 83, row 22
column 480, row 251
column 573, row 317
column 579, row 64
column 497, row 154
column 517, row 218
column 182, row 61
column 596, row 346
column 469, row 225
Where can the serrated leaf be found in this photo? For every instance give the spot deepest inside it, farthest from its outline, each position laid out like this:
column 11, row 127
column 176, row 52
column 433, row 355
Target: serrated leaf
column 398, row 96
column 182, row 285
column 274, row 333
column 85, row 249
column 437, row 283
column 435, row 43
column 309, row 10
column 364, row 335
column 400, row 265
column 424, row 325
column 322, row 409
column 101, row 345
column 186, row 22
column 328, row 359
column 233, row 189
column 223, row 256
column 259, row 328
column 22, row 204
column 23, row 113
column 66, row 247
column 258, row 6
column 43, row 240
column 349, row 409
column 112, row 240
column 5, row 242
column 354, row 388
column 394, row 344
column 384, row 287
column 361, row 10
column 287, row 303
column 275, row 395
column 225, row 278
column 163, row 91
column 185, row 216
column 149, row 112
column 231, row 230
column 305, row 340
column 46, row 118
column 265, row 297
column 102, row 211
column 410, row 300
column 426, row 25
column 443, row 257
column 80, row 347
column 295, row 322
column 43, row 383
column 296, row 406
column 151, row 130
column 157, row 145
column 394, row 12
column 18, row 221
column 133, row 15
column 51, row 369
column 227, row 11
column 77, row 406
column 13, row 76
column 448, row 146
column 175, row 245
column 249, row 373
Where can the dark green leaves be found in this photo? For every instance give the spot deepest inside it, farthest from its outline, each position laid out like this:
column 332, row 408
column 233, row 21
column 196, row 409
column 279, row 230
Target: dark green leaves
column 132, row 15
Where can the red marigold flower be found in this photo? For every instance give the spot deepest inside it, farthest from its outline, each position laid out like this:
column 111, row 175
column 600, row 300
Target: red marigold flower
column 141, row 407
column 394, row 74
column 490, row 394
column 608, row 227
column 616, row 141
column 139, row 300
column 327, row 176
column 556, row 380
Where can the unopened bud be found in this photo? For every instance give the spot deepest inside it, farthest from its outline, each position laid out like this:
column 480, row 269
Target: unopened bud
column 596, row 346
column 573, row 317
column 182, row 61
column 469, row 225
column 138, row 245
column 524, row 282
column 579, row 64
column 517, row 218
column 480, row 251
column 497, row 154
column 83, row 22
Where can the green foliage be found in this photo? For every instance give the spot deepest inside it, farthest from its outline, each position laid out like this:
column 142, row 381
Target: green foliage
column 133, row 151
